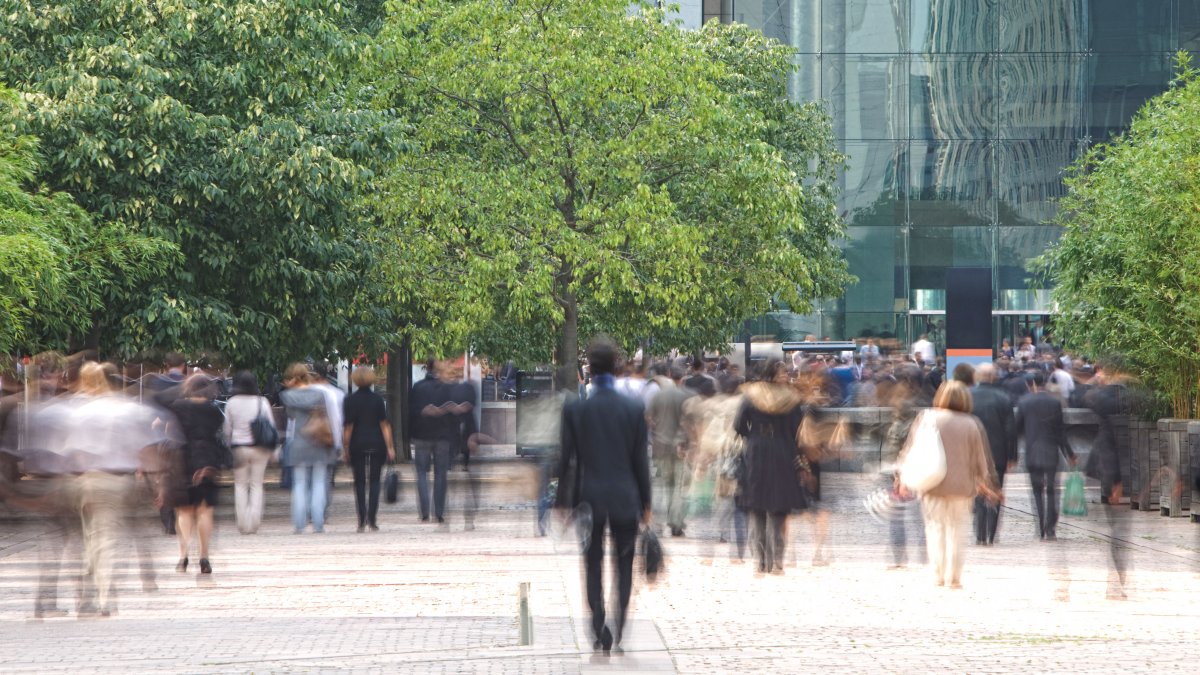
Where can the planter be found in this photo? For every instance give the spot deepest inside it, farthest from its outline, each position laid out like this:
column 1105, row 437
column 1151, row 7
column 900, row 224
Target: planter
column 1189, row 486
column 1174, row 467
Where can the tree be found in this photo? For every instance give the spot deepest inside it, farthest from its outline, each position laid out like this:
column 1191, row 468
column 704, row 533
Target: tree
column 223, row 127
column 1127, row 268
column 57, row 264
column 583, row 167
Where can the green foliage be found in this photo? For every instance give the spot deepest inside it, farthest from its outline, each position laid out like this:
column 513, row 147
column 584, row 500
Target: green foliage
column 224, row 127
column 57, row 264
column 1128, row 265
column 583, row 169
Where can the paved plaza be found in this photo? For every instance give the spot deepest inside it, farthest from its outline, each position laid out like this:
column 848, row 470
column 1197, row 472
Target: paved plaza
column 413, row 598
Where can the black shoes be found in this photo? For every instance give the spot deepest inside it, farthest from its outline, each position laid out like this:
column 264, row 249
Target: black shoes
column 205, row 568
column 676, row 531
column 182, row 566
column 605, row 642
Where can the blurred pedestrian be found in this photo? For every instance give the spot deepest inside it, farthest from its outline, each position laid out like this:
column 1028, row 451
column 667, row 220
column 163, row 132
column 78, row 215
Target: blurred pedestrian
column 312, row 447
column 249, row 460
column 368, row 441
column 668, row 448
column 201, row 425
column 906, row 396
column 968, row 472
column 1040, row 420
column 435, row 433
column 605, row 437
column 991, row 405
column 769, row 421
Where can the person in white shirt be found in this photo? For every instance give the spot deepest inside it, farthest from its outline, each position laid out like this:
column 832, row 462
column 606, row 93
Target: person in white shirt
column 249, row 460
column 923, row 350
column 1062, row 382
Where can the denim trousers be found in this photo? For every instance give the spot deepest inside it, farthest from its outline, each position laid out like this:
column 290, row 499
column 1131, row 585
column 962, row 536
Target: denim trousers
column 310, row 490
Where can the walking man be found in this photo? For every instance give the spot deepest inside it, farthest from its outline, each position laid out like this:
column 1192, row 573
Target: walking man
column 435, row 433
column 1040, row 419
column 668, row 446
column 604, row 436
column 995, row 411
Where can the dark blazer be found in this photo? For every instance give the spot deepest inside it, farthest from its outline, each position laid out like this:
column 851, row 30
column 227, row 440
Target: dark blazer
column 1040, row 418
column 604, row 437
column 994, row 409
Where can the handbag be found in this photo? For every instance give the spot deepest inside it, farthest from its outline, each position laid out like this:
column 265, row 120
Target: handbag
column 652, row 555
column 1074, row 501
column 391, row 485
column 924, row 467
column 263, row 431
column 317, row 427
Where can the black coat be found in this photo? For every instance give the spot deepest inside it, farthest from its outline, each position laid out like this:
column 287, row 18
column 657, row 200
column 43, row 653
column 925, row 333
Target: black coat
column 995, row 411
column 1106, row 401
column 604, row 461
column 1040, row 419
column 769, row 481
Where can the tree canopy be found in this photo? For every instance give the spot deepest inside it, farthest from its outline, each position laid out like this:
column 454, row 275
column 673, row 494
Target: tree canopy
column 581, row 166
column 58, row 265
column 226, row 129
column 1127, row 268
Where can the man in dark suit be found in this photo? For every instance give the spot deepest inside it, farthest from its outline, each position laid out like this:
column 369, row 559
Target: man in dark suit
column 604, row 436
column 994, row 409
column 1040, row 418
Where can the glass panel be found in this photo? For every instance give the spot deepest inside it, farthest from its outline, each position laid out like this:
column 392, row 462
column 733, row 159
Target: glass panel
column 933, row 249
column 1128, row 26
column 864, row 26
column 1042, row 26
column 950, row 184
column 1189, row 26
column 1120, row 84
column 876, row 256
column 952, row 26
column 804, row 83
column 870, row 187
column 952, row 97
column 866, row 94
column 1030, row 181
column 775, row 19
column 1016, row 246
column 1041, row 96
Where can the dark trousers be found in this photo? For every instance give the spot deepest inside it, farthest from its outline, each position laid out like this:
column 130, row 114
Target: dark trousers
column 766, row 537
column 367, row 468
column 624, row 534
column 437, row 455
column 987, row 516
column 1045, row 498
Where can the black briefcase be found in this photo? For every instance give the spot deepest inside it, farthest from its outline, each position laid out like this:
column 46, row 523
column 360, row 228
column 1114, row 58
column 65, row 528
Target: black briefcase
column 652, row 554
column 391, row 485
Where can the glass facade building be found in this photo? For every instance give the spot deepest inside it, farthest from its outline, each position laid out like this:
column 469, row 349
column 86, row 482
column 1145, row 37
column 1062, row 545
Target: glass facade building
column 959, row 118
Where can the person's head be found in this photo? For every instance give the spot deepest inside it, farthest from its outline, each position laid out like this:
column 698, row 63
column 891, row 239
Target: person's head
column 602, row 356
column 93, row 380
column 297, row 375
column 985, row 373
column 777, row 372
column 431, row 366
column 677, row 372
column 1037, row 379
column 1005, row 343
column 965, row 373
column 363, row 377
column 245, row 383
column 953, row 395
column 175, row 361
column 200, row 386
column 706, row 387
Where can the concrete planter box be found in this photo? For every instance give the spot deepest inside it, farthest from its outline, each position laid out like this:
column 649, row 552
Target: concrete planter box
column 1189, row 487
column 1174, row 466
column 1144, row 487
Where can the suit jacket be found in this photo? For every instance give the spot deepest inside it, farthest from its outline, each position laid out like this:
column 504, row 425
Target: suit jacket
column 1040, row 418
column 995, row 411
column 604, row 436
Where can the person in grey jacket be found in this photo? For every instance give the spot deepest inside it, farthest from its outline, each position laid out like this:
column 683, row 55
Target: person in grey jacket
column 312, row 447
column 992, row 406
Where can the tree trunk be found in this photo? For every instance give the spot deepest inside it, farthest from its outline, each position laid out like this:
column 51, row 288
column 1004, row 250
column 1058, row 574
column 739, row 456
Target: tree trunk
column 399, row 381
column 567, row 355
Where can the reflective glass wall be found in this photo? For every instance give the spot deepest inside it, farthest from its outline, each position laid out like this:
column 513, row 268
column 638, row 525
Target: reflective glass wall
column 959, row 117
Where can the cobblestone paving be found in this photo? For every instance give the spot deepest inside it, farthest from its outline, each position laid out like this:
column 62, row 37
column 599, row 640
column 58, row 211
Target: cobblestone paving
column 412, row 598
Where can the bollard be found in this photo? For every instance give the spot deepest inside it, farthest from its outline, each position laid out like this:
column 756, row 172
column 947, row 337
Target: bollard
column 523, row 617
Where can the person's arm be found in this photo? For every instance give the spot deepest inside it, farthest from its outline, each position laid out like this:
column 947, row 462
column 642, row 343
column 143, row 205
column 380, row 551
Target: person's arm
column 1063, row 445
column 227, row 428
column 1010, row 434
column 565, row 496
column 387, row 439
column 641, row 467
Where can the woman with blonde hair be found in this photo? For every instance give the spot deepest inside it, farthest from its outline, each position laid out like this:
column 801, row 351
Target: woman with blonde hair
column 367, row 436
column 200, row 424
column 311, row 450
column 969, row 471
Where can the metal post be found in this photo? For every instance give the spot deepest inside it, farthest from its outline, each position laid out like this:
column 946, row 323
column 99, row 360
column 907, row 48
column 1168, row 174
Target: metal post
column 523, row 617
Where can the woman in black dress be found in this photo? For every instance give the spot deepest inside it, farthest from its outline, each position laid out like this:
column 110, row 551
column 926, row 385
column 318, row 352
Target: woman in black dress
column 770, row 420
column 367, row 436
column 200, row 424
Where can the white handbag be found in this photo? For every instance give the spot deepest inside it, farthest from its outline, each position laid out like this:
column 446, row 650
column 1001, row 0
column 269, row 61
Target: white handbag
column 924, row 466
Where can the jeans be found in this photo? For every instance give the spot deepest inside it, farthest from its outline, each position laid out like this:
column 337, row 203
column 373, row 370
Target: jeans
column 249, row 467
column 310, row 487
column 1045, row 498
column 437, row 454
column 367, row 467
column 730, row 516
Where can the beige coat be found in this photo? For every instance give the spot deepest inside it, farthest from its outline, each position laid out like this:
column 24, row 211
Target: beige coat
column 968, row 460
